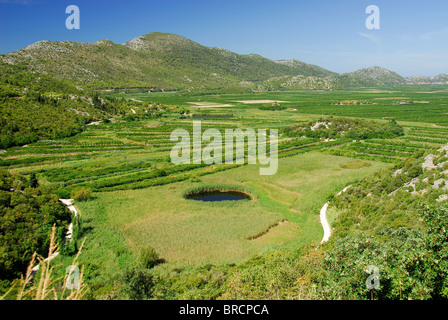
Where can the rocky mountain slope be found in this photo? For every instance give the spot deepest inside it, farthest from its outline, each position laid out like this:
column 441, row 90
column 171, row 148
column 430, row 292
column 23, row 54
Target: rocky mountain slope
column 439, row 79
column 372, row 76
column 154, row 60
column 169, row 61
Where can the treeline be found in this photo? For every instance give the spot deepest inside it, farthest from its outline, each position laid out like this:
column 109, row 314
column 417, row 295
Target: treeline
column 272, row 107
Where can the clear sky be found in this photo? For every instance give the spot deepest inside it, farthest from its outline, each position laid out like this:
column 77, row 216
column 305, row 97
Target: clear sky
column 412, row 39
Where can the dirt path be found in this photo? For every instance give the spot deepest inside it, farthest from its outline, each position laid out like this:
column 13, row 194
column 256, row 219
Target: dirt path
column 71, row 207
column 324, row 220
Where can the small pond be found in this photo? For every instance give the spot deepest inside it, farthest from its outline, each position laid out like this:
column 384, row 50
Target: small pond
column 219, row 196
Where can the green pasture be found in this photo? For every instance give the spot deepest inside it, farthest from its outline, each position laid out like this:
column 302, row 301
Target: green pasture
column 188, row 232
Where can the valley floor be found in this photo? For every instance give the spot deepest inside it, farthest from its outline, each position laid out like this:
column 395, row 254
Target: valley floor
column 137, row 193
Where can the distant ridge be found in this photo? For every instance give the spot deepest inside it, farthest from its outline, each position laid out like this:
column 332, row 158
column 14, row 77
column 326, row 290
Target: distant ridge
column 372, row 76
column 440, row 79
column 169, row 61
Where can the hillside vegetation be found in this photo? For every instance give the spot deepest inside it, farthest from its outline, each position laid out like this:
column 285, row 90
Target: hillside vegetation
column 163, row 61
column 355, row 129
column 36, row 106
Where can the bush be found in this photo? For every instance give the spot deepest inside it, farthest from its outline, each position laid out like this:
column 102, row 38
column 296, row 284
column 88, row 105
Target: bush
column 81, row 194
column 33, row 180
column 63, row 193
column 138, row 284
column 148, row 257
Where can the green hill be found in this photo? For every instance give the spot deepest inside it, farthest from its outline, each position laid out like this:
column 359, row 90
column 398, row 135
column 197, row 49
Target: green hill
column 164, row 61
column 35, row 106
column 157, row 60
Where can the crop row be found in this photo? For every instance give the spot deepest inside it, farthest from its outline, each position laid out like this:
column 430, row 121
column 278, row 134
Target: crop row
column 311, row 147
column 396, row 143
column 29, row 151
column 369, row 149
column 167, row 179
column 384, row 147
column 431, row 130
column 427, row 140
column 139, row 176
column 428, row 135
column 82, row 172
column 33, row 160
column 364, row 156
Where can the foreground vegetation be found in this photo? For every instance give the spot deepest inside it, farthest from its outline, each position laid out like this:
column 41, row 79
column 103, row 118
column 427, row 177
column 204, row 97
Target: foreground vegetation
column 27, row 216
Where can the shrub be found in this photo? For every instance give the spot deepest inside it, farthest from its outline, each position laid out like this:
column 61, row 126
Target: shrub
column 148, row 257
column 138, row 284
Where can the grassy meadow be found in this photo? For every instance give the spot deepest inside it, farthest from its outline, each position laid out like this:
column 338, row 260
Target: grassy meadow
column 194, row 232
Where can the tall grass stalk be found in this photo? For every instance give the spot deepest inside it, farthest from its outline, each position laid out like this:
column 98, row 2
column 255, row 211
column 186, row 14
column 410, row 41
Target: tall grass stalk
column 45, row 289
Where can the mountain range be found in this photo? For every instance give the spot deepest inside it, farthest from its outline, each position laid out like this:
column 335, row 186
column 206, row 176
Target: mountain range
column 164, row 61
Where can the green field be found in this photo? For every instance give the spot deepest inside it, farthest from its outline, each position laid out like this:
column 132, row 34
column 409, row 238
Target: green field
column 195, row 232
column 427, row 104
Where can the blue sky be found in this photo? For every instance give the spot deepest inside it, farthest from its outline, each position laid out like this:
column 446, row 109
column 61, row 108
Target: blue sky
column 412, row 39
